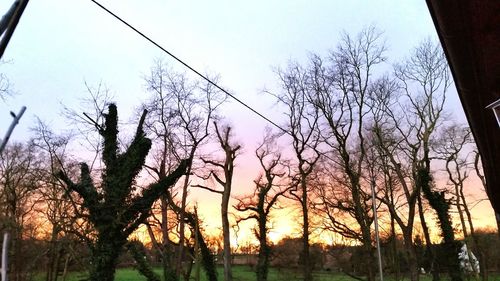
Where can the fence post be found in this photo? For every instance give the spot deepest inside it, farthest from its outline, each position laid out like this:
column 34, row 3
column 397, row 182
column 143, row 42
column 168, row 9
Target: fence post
column 4, row 255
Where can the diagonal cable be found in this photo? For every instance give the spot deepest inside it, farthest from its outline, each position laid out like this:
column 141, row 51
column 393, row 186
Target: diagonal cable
column 188, row 66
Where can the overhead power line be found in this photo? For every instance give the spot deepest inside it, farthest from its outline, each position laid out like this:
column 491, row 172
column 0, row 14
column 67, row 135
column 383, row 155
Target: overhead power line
column 188, row 66
column 240, row 102
column 201, row 75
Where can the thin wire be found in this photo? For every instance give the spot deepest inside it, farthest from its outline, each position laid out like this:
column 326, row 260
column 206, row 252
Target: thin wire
column 201, row 75
column 205, row 78
column 242, row 103
column 189, row 67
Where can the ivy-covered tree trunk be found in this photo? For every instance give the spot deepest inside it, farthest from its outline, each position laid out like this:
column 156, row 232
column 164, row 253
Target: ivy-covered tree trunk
column 113, row 209
column 207, row 259
column 136, row 249
column 430, row 259
column 441, row 206
column 104, row 257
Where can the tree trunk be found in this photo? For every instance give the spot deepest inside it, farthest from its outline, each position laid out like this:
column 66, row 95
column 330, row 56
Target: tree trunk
column 460, row 213
column 65, row 269
column 361, row 218
column 394, row 248
column 264, row 252
column 57, row 262
column 17, row 261
column 412, row 256
column 163, row 250
column 197, row 254
column 52, row 255
column 441, row 206
column 369, row 259
column 189, row 266
column 182, row 222
column 105, row 257
column 263, row 262
column 207, row 259
column 227, row 241
column 305, row 233
column 428, row 243
column 305, row 247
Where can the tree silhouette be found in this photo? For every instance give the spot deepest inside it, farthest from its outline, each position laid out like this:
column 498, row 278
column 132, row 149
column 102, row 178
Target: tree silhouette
column 225, row 168
column 258, row 205
column 111, row 206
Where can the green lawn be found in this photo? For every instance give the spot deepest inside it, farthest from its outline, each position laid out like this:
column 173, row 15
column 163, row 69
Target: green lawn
column 245, row 273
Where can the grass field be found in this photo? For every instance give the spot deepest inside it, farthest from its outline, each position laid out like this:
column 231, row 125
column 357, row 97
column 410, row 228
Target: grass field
column 245, row 273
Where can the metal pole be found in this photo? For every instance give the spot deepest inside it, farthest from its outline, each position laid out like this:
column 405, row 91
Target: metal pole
column 11, row 128
column 377, row 236
column 4, row 256
column 4, row 22
column 13, row 19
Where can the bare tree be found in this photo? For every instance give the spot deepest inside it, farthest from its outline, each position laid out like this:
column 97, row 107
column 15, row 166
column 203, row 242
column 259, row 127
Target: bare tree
column 478, row 168
column 453, row 148
column 302, row 126
column 453, row 141
column 481, row 246
column 19, row 174
column 159, row 123
column 56, row 204
column 84, row 122
column 202, row 252
column 396, row 159
column 5, row 86
column 258, row 206
column 424, row 79
column 341, row 91
column 222, row 172
column 180, row 113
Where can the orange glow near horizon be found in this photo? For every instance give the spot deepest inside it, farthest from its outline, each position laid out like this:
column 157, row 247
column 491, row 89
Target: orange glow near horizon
column 286, row 222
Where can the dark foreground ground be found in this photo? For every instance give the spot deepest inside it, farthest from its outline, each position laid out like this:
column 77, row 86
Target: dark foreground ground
column 245, row 273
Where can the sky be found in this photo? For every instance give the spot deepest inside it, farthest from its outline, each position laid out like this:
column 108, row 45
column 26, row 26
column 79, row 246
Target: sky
column 59, row 45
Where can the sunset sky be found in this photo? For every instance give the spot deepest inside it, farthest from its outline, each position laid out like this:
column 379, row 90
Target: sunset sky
column 60, row 44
